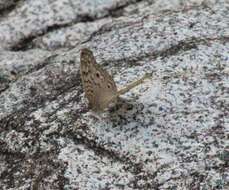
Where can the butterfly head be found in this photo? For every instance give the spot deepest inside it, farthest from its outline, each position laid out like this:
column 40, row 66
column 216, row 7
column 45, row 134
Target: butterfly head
column 86, row 56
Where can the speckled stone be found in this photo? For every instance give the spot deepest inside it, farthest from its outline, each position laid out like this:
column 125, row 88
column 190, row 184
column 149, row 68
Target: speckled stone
column 171, row 132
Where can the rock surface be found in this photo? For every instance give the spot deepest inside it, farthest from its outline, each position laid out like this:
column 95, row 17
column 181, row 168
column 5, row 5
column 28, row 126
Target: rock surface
column 171, row 132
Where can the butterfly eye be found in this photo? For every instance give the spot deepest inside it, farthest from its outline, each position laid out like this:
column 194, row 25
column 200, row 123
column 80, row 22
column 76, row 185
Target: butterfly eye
column 98, row 75
column 109, row 86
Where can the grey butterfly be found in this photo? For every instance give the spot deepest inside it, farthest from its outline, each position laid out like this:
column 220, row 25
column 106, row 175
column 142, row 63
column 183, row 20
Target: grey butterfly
column 99, row 87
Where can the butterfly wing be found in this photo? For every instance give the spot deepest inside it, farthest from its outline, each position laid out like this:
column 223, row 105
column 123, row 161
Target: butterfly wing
column 98, row 85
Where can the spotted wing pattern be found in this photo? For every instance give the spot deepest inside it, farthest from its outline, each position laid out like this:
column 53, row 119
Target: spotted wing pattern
column 98, row 85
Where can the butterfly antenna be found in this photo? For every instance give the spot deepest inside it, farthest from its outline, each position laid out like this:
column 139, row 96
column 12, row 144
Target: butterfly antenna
column 133, row 84
column 130, row 86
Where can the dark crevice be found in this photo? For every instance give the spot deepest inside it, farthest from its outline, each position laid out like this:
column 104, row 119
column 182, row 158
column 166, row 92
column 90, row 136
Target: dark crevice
column 181, row 46
column 105, row 28
column 187, row 45
column 6, row 84
column 8, row 7
column 37, row 101
column 46, row 62
column 25, row 43
column 118, row 11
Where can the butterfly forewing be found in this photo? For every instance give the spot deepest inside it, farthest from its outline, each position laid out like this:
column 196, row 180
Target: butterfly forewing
column 99, row 86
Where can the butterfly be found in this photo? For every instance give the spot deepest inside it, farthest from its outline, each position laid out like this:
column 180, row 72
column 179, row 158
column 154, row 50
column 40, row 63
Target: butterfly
column 99, row 86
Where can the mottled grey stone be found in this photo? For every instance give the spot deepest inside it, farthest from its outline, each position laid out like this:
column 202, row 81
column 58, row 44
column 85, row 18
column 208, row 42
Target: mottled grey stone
column 171, row 132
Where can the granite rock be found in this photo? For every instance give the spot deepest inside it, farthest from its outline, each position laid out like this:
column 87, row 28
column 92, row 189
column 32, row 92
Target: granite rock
column 171, row 132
